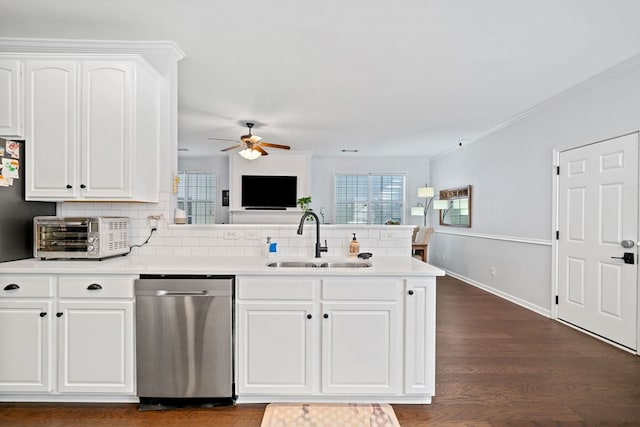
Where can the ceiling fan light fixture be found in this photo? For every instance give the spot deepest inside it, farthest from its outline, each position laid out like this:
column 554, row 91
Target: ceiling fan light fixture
column 250, row 153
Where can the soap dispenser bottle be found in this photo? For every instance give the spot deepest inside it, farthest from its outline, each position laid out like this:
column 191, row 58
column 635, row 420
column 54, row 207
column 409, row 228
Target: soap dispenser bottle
column 354, row 247
column 272, row 248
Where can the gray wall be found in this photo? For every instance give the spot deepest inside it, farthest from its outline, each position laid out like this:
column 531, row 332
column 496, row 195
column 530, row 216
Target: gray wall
column 511, row 171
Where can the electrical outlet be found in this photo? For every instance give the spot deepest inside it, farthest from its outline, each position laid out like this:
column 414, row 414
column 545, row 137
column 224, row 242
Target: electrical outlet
column 386, row 235
column 232, row 234
column 153, row 221
column 252, row 234
column 492, row 271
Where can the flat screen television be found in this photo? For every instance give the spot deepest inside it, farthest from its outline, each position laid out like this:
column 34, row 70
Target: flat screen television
column 269, row 191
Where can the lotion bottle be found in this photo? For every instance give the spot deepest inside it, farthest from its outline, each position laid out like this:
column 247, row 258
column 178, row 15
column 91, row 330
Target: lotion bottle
column 354, row 247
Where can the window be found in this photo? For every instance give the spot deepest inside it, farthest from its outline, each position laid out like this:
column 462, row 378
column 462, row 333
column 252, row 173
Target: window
column 369, row 199
column 197, row 196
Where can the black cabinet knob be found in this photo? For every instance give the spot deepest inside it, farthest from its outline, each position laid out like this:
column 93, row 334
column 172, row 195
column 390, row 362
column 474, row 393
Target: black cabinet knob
column 59, row 314
column 411, row 292
column 69, row 186
column 83, row 186
column 94, row 287
column 326, row 316
column 11, row 287
column 309, row 316
column 44, row 313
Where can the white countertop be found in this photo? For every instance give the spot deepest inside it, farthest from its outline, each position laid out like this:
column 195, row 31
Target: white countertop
column 381, row 266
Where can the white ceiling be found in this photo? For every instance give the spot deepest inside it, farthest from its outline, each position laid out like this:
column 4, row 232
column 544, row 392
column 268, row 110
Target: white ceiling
column 388, row 78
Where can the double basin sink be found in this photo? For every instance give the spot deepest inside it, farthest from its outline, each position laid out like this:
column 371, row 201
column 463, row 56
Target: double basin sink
column 318, row 264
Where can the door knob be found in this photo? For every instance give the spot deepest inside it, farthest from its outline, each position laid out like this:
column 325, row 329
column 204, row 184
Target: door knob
column 627, row 244
column 627, row 257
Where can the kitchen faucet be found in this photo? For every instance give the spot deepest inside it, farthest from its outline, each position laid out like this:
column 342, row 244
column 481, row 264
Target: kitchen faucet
column 319, row 247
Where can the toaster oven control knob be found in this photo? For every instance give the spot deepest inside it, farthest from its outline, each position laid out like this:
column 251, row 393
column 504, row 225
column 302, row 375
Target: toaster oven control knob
column 91, row 248
column 91, row 239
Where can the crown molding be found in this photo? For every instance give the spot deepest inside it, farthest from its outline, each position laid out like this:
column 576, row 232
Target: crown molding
column 39, row 45
column 627, row 64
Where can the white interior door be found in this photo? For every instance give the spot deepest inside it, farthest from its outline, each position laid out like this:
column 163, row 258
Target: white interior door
column 597, row 211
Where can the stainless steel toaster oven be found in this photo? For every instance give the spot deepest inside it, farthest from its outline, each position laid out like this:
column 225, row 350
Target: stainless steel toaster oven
column 80, row 237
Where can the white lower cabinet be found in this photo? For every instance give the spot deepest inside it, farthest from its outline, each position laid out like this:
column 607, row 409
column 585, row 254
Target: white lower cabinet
column 275, row 335
column 276, row 343
column 77, row 340
column 361, row 336
column 361, row 351
column 420, row 337
column 320, row 337
column 25, row 345
column 95, row 343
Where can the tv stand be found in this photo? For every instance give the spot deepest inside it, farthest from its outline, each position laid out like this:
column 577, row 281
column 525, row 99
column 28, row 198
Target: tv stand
column 265, row 216
column 265, row 208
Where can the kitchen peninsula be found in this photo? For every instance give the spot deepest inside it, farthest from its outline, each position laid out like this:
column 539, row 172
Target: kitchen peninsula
column 302, row 333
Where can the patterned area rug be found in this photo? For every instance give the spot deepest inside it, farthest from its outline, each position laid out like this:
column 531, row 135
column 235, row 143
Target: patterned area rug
column 329, row 415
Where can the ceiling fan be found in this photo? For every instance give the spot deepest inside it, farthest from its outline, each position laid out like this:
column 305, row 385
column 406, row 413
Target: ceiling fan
column 252, row 145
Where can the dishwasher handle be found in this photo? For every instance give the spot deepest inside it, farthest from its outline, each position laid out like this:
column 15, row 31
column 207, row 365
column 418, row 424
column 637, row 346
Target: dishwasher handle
column 163, row 293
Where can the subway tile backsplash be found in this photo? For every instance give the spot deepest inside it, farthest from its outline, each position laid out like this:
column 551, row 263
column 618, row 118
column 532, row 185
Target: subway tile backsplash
column 240, row 239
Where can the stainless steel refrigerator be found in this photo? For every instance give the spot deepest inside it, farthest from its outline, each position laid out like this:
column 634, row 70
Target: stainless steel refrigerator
column 16, row 214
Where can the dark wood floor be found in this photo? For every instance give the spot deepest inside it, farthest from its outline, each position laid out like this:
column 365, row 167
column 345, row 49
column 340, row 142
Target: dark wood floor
column 497, row 365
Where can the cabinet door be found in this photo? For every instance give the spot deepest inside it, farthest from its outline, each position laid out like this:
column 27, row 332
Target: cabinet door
column 10, row 98
column 107, row 128
column 275, row 347
column 95, row 347
column 25, row 346
column 361, row 351
column 420, row 339
column 51, row 129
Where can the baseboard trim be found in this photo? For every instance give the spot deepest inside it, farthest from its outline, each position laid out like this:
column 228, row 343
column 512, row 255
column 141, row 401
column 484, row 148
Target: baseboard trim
column 532, row 307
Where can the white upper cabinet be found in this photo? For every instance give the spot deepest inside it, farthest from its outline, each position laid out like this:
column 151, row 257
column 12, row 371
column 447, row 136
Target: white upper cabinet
column 52, row 120
column 92, row 130
column 10, row 98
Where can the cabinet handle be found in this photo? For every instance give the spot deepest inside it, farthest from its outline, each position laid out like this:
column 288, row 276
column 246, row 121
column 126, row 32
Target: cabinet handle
column 59, row 314
column 309, row 316
column 326, row 316
column 11, row 287
column 411, row 292
column 94, row 287
column 69, row 186
column 42, row 314
column 83, row 186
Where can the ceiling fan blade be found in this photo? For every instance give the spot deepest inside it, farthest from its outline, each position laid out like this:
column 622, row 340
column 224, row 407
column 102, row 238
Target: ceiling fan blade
column 258, row 148
column 268, row 144
column 232, row 147
column 254, row 139
column 221, row 139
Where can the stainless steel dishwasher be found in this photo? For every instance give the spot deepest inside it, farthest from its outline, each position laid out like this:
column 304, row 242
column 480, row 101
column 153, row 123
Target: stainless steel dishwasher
column 184, row 339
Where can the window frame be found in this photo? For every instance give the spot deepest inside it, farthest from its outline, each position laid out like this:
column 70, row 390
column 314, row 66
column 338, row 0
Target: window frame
column 186, row 200
column 369, row 200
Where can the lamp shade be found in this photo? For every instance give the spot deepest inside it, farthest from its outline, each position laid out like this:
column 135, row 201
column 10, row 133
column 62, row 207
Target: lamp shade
column 417, row 211
column 425, row 192
column 440, row 204
column 250, row 154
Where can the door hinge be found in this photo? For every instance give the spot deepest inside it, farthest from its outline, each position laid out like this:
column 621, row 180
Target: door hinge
column 557, row 170
column 556, row 299
column 557, row 234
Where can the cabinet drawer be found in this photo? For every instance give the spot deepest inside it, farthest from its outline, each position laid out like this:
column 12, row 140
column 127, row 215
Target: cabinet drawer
column 96, row 287
column 275, row 288
column 361, row 289
column 25, row 286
